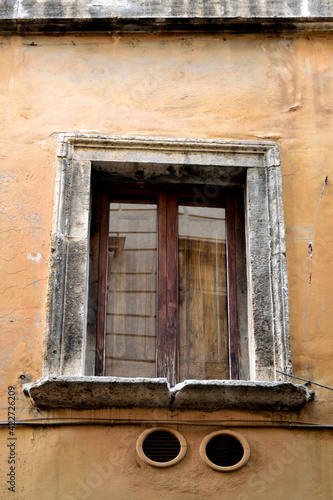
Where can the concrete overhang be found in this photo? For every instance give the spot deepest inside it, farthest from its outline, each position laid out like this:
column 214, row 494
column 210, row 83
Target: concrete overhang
column 77, row 16
column 204, row 395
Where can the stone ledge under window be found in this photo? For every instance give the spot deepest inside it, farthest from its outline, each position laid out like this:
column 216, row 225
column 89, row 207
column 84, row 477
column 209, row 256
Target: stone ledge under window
column 71, row 16
column 205, row 395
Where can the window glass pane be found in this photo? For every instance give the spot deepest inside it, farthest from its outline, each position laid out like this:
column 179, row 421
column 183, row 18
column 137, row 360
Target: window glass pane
column 131, row 293
column 203, row 325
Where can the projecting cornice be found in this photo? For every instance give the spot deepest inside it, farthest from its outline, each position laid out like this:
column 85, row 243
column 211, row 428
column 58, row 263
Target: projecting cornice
column 241, row 16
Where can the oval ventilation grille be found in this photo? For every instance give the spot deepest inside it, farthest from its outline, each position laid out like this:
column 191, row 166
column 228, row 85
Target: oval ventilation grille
column 161, row 447
column 225, row 450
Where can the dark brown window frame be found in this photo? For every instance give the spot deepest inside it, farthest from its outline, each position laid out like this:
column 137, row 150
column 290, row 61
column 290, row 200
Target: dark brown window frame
column 168, row 197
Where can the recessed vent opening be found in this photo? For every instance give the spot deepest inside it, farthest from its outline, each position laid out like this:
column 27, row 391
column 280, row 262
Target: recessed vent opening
column 161, row 447
column 225, row 451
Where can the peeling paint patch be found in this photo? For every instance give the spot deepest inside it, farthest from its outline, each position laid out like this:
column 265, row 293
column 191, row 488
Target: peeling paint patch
column 34, row 258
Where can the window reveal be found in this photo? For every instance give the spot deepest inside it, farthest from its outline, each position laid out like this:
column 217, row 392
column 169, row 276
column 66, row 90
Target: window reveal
column 168, row 286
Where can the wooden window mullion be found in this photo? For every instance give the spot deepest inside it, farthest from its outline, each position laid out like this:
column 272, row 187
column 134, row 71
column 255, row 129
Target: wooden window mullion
column 102, row 280
column 167, row 356
column 232, row 290
column 161, row 345
column 172, row 288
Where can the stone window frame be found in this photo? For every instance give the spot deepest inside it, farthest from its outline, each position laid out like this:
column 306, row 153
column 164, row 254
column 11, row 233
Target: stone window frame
column 66, row 327
column 66, row 380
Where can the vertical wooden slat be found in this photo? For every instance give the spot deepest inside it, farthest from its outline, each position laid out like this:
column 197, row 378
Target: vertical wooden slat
column 93, row 282
column 102, row 275
column 167, row 356
column 241, row 284
column 161, row 346
column 232, row 290
column 172, row 288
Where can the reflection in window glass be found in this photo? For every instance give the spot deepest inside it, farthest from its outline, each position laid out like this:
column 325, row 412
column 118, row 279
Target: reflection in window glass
column 203, row 322
column 131, row 293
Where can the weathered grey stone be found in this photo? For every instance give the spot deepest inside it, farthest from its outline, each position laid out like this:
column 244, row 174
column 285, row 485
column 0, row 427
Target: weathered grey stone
column 55, row 305
column 131, row 9
column 259, row 275
column 149, row 15
column 78, row 211
column 240, row 395
column 98, row 392
column 75, row 316
column 68, row 277
column 279, row 271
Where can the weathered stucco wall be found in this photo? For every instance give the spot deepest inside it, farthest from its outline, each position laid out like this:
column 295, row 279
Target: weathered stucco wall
column 207, row 86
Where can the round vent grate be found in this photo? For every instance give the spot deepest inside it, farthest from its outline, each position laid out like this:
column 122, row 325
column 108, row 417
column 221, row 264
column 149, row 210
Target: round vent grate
column 161, row 447
column 225, row 450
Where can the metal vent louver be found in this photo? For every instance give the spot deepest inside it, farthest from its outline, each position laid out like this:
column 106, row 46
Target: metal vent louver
column 161, row 447
column 225, row 451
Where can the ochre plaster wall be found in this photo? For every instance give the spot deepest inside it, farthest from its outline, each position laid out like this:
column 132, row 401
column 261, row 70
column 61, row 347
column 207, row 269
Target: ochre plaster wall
column 210, row 86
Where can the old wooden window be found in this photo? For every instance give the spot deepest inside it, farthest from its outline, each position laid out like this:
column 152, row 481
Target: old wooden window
column 168, row 264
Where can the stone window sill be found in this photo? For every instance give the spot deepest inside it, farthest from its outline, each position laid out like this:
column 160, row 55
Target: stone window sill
column 204, row 395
